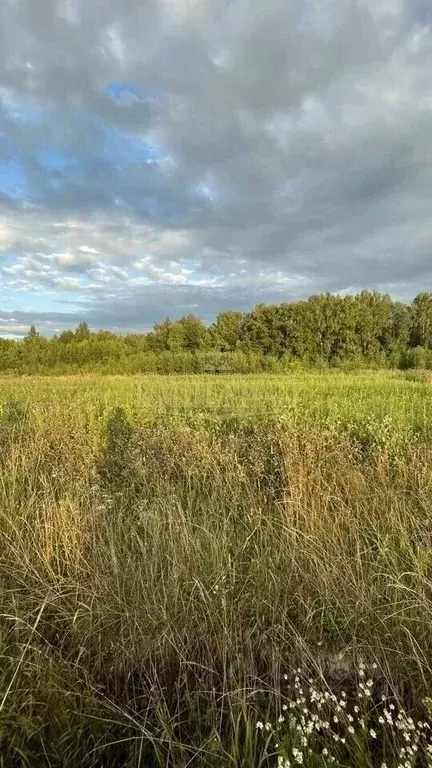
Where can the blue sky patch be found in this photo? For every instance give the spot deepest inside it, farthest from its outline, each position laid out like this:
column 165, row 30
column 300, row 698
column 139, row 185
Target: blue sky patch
column 13, row 181
column 128, row 94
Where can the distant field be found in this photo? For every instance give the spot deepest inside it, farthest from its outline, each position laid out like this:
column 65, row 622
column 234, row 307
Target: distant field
column 298, row 399
column 174, row 548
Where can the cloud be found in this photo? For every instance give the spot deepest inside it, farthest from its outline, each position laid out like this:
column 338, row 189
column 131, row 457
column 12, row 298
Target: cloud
column 158, row 158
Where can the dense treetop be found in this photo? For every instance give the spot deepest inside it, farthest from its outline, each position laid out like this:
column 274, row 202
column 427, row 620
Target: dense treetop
column 363, row 330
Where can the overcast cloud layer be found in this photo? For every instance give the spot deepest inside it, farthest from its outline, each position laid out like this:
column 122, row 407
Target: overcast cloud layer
column 171, row 156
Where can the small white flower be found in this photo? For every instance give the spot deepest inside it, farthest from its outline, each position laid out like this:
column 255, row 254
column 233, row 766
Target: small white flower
column 324, row 752
column 259, row 726
column 381, row 720
column 267, row 727
column 373, row 733
column 351, row 729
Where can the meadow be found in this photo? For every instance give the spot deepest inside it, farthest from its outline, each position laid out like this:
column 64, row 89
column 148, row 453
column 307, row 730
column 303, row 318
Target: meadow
column 216, row 570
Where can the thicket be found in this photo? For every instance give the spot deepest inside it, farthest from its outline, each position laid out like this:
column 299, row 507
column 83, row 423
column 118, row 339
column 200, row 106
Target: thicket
column 365, row 330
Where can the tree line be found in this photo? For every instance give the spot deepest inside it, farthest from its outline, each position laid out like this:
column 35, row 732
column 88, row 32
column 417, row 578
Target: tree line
column 368, row 329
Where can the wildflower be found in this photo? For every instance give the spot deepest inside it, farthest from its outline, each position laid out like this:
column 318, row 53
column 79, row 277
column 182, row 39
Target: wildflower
column 267, row 727
column 351, row 729
column 381, row 720
column 325, row 752
column 283, row 763
column 259, row 726
column 373, row 733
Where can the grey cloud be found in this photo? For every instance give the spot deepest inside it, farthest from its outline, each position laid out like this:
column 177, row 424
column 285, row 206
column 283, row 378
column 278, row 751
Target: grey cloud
column 293, row 141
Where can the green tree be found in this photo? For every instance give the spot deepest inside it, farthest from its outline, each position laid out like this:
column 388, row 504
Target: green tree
column 196, row 335
column 33, row 336
column 228, row 330
column 82, row 332
column 421, row 328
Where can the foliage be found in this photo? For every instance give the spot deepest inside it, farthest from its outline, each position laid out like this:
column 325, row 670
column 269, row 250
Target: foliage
column 367, row 330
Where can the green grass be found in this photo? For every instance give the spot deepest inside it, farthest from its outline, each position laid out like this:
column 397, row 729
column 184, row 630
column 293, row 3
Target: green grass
column 171, row 547
column 303, row 398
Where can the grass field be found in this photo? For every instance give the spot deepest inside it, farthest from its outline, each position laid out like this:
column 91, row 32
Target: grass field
column 174, row 549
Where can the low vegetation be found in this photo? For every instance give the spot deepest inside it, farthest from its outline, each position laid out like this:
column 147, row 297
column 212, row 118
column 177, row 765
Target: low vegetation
column 230, row 571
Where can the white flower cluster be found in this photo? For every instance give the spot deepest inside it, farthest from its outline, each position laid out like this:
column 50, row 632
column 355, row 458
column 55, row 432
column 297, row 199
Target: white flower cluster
column 316, row 723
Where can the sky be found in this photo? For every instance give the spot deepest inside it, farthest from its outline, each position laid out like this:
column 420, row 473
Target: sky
column 162, row 157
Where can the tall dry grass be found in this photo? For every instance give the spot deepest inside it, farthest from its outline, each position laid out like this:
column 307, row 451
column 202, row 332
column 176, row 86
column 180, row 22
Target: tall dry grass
column 158, row 581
